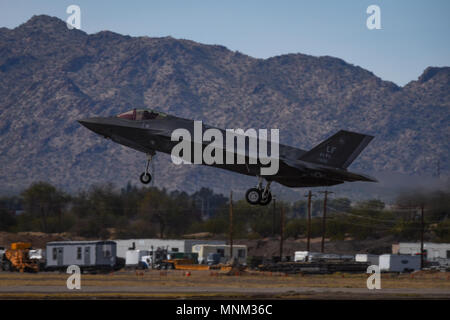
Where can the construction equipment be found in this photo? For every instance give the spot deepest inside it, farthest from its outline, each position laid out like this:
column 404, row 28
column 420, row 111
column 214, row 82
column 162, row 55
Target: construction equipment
column 175, row 263
column 18, row 258
column 176, row 259
column 161, row 258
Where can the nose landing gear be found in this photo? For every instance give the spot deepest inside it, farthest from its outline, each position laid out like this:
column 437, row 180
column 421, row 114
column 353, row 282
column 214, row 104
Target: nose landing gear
column 259, row 195
column 146, row 177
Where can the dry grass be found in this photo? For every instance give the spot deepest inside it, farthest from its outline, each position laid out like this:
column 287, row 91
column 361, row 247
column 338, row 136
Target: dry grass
column 207, row 279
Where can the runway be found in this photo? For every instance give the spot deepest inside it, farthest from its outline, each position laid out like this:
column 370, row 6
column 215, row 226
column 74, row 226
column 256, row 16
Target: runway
column 201, row 284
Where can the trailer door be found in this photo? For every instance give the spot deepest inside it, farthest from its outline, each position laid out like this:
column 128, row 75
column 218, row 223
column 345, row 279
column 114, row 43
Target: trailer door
column 87, row 255
column 59, row 256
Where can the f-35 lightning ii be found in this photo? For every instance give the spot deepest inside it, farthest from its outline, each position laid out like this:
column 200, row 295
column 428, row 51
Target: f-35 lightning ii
column 149, row 131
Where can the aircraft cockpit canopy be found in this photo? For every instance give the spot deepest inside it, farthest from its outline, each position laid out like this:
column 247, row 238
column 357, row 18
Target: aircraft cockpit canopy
column 141, row 114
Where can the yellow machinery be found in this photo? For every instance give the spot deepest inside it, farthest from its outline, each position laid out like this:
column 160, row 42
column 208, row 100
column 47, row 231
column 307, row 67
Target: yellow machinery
column 174, row 263
column 17, row 258
column 202, row 267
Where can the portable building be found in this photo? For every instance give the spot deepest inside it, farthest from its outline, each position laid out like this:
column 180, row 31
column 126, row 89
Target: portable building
column 88, row 255
column 172, row 245
column 203, row 250
column 399, row 263
column 433, row 251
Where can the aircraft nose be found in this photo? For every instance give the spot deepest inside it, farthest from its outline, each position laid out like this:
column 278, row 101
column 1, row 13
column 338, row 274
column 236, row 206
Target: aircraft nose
column 95, row 125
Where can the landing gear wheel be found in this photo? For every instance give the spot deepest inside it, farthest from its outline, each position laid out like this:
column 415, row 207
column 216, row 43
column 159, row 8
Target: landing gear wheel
column 265, row 201
column 253, row 196
column 145, row 178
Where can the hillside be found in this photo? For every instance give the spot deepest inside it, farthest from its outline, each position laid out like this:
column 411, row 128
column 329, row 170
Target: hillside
column 51, row 76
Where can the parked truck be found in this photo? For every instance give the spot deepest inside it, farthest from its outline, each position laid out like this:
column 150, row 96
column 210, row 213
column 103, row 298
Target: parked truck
column 161, row 258
column 136, row 259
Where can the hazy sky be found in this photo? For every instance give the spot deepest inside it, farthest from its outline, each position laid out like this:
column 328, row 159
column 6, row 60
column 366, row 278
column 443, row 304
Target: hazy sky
column 414, row 34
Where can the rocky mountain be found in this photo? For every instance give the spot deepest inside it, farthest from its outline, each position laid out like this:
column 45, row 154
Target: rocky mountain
column 51, row 76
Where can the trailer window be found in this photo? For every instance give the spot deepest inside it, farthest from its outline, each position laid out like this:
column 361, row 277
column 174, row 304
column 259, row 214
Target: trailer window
column 175, row 249
column 79, row 253
column 54, row 253
column 106, row 251
column 221, row 252
column 241, row 253
column 448, row 254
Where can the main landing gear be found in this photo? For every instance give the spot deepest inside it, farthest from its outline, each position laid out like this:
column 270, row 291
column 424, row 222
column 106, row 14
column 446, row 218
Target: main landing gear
column 259, row 195
column 146, row 177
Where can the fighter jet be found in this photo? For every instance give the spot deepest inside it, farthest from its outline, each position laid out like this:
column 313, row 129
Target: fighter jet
column 150, row 131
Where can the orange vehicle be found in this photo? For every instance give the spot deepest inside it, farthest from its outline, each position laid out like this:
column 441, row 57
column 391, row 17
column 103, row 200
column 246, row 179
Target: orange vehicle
column 17, row 258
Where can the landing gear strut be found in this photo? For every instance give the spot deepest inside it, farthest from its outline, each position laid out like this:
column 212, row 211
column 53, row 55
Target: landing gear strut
column 146, row 177
column 259, row 195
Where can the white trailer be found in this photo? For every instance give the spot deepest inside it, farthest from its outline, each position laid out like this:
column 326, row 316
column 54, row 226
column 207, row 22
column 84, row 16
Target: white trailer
column 399, row 263
column 133, row 257
column 172, row 245
column 433, row 251
column 203, row 250
column 306, row 256
column 88, row 255
column 373, row 259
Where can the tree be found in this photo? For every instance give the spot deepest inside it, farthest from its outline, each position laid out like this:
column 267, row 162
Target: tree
column 299, row 209
column 43, row 202
column 208, row 201
column 373, row 205
column 296, row 228
column 339, row 205
column 7, row 219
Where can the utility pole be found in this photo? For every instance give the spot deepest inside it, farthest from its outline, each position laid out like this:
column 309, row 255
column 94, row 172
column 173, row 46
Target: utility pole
column 421, row 236
column 422, row 229
column 231, row 225
column 324, row 217
column 281, row 232
column 309, row 222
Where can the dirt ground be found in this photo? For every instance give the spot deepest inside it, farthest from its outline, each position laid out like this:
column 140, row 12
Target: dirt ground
column 175, row 284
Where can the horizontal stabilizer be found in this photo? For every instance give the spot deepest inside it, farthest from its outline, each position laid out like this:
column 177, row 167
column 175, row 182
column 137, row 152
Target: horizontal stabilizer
column 338, row 151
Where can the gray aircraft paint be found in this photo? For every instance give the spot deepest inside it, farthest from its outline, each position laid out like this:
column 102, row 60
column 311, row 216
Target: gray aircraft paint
column 324, row 165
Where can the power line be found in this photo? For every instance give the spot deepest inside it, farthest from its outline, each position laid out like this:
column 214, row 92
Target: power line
column 361, row 225
column 364, row 217
column 375, row 219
